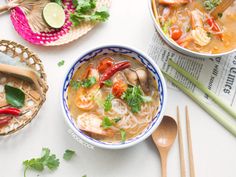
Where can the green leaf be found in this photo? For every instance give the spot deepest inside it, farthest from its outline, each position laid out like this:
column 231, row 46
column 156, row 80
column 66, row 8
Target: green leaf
column 123, row 135
column 108, row 83
column 211, row 4
column 84, row 176
column 134, row 98
column 38, row 164
column 107, row 104
column 220, row 15
column 68, row 154
column 101, row 16
column 61, row 63
column 89, row 82
column 14, row 96
column 85, row 6
column 75, row 3
column 75, row 84
column 59, row 2
column 106, row 123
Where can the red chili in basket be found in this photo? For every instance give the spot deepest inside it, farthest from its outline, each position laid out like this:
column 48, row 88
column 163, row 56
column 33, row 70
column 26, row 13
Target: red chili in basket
column 5, row 121
column 112, row 70
column 11, row 111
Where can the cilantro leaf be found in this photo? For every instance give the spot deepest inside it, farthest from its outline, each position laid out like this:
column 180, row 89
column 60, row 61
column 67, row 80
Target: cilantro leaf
column 85, row 6
column 100, row 16
column 106, row 123
column 123, row 135
column 84, row 176
column 108, row 83
column 88, row 82
column 68, row 154
column 61, row 63
column 75, row 84
column 211, row 4
column 134, row 97
column 107, row 104
column 38, row 164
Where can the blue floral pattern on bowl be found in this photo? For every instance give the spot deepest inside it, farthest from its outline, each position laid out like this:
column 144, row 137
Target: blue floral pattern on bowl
column 106, row 51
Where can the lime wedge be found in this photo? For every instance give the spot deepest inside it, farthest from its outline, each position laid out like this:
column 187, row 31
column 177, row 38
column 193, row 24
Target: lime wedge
column 54, row 15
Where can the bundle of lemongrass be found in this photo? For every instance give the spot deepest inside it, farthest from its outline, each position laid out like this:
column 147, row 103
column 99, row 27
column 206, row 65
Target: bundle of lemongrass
column 211, row 111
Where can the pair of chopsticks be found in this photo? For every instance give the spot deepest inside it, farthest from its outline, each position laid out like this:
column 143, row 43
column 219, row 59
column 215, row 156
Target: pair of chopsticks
column 181, row 147
column 211, row 111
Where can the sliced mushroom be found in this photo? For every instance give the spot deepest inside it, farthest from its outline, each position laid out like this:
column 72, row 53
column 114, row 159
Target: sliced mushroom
column 131, row 76
column 143, row 79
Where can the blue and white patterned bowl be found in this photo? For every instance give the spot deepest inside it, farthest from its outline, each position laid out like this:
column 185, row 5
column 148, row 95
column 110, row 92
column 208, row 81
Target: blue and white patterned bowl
column 150, row 65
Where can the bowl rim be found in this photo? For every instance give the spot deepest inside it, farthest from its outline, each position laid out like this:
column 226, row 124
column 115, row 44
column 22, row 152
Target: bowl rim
column 145, row 135
column 182, row 49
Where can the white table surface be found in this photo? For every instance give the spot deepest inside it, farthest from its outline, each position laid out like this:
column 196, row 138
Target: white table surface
column 130, row 24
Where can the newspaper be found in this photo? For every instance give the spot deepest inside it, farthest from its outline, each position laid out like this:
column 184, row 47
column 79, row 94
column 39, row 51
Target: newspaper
column 217, row 74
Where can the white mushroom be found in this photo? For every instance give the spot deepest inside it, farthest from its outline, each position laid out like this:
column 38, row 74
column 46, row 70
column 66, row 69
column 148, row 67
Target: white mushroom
column 143, row 79
column 131, row 76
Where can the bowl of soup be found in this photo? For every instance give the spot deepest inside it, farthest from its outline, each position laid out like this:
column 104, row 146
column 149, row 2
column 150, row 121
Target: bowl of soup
column 113, row 97
column 192, row 28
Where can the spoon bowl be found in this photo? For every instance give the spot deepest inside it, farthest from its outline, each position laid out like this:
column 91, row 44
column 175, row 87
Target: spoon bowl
column 164, row 137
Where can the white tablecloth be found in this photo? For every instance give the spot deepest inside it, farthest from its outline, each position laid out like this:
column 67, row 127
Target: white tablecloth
column 129, row 24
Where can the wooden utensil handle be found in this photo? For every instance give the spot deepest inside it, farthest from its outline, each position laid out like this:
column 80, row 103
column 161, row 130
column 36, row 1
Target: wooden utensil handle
column 163, row 164
column 4, row 8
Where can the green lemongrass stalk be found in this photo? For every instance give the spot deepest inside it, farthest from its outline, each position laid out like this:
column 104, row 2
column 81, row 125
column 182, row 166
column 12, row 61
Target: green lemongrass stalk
column 211, row 111
column 204, row 89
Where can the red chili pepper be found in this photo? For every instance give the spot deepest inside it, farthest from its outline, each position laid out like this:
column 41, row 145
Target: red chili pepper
column 215, row 27
column 104, row 64
column 112, row 70
column 5, row 121
column 11, row 111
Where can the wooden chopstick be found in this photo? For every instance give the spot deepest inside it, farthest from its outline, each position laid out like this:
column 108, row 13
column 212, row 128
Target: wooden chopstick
column 181, row 147
column 190, row 149
column 221, row 8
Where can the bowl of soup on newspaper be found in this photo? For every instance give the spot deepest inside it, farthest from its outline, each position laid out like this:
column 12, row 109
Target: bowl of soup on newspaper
column 191, row 27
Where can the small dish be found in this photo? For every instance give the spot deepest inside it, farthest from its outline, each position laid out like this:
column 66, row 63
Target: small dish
column 147, row 62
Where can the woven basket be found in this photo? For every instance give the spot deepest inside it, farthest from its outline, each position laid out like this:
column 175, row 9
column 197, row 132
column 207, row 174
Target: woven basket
column 49, row 36
column 33, row 100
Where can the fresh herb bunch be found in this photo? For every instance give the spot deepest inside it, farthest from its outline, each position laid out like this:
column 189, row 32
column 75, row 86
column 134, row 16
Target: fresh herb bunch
column 211, row 4
column 46, row 160
column 85, row 12
column 134, row 97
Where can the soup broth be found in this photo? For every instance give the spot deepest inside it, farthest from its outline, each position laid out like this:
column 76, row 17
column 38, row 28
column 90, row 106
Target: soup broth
column 190, row 25
column 119, row 104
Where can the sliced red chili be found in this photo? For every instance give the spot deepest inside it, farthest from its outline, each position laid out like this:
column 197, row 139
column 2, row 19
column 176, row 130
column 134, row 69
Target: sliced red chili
column 5, row 121
column 214, row 26
column 112, row 70
column 11, row 111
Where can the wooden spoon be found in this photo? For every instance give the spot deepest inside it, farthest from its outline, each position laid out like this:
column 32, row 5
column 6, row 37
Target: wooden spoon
column 221, row 8
column 164, row 137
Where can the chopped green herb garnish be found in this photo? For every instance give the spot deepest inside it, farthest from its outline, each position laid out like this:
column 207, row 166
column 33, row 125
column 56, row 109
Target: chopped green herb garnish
column 75, row 84
column 116, row 120
column 84, row 83
column 107, row 104
column 209, row 34
column 85, row 12
column 123, row 135
column 134, row 97
column 106, row 123
column 108, row 83
column 220, row 15
column 84, row 176
column 68, row 154
column 88, row 82
column 61, row 63
column 38, row 164
column 14, row 96
column 211, row 4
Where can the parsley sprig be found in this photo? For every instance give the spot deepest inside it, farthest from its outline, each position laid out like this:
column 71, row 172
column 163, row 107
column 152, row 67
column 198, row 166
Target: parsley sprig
column 85, row 12
column 46, row 160
column 134, row 97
